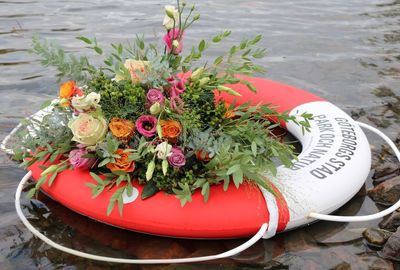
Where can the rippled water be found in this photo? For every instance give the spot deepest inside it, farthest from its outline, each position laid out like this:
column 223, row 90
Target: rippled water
column 341, row 50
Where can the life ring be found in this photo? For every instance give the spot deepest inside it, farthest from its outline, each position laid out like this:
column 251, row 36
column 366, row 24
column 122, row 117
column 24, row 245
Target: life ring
column 330, row 170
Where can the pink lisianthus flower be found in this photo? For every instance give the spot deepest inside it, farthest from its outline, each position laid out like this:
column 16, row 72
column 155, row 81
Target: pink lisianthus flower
column 77, row 160
column 146, row 125
column 174, row 36
column 153, row 96
column 177, row 86
column 176, row 158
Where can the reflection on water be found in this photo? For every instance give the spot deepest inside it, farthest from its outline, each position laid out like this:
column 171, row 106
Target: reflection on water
column 342, row 50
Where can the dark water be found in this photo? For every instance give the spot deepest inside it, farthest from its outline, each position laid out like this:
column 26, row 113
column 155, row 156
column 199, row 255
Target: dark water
column 341, row 50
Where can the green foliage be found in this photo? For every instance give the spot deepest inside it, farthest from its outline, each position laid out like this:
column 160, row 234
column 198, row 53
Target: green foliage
column 68, row 66
column 118, row 99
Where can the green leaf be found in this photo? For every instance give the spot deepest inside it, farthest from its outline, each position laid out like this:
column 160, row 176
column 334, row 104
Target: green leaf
column 116, row 196
column 120, row 204
column 120, row 179
column 97, row 191
column 237, row 178
column 233, row 169
column 96, row 178
column 202, row 45
column 98, row 50
column 205, row 191
column 104, row 162
column 218, row 60
column 31, row 193
column 40, row 182
column 49, row 169
column 90, row 185
column 120, row 48
column 52, row 178
column 45, row 104
column 254, row 148
column 226, row 183
column 256, row 39
column 84, row 39
column 119, row 172
column 149, row 190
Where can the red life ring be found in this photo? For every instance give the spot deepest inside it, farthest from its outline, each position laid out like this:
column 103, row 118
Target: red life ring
column 322, row 180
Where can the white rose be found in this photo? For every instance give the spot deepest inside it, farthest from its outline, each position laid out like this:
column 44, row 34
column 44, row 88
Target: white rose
column 163, row 150
column 171, row 14
column 137, row 69
column 85, row 103
column 87, row 129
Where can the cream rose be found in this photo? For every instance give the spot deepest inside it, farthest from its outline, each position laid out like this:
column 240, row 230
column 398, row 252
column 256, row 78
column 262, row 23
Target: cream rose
column 88, row 130
column 136, row 68
column 85, row 103
column 171, row 14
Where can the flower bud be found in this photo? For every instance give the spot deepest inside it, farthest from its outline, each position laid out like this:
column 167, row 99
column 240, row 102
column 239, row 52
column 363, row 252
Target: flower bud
column 175, row 43
column 196, row 74
column 204, row 81
column 228, row 90
column 155, row 109
column 196, row 17
column 170, row 11
column 150, row 170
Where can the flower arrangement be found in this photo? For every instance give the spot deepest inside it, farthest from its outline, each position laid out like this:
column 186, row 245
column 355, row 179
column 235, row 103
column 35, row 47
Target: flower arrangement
column 153, row 117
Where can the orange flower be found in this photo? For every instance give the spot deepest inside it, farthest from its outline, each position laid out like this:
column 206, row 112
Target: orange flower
column 67, row 89
column 123, row 163
column 228, row 113
column 171, row 130
column 122, row 129
column 202, row 156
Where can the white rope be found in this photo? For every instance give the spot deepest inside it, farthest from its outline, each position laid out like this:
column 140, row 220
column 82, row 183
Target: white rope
column 273, row 210
column 366, row 217
column 3, row 145
column 50, row 242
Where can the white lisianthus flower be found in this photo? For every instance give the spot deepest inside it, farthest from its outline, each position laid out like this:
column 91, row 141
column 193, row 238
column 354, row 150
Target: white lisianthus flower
column 163, row 150
column 85, row 103
column 171, row 13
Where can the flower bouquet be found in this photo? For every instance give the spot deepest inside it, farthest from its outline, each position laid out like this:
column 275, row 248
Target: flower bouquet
column 155, row 117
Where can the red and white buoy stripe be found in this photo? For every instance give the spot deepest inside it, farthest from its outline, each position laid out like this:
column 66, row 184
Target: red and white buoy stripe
column 278, row 211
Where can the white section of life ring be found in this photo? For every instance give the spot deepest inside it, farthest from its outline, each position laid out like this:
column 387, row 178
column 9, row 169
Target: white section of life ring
column 381, row 214
column 55, row 245
column 323, row 178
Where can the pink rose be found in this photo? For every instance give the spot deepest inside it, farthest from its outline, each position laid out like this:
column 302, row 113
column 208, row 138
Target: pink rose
column 173, row 38
column 176, row 158
column 153, row 96
column 77, row 160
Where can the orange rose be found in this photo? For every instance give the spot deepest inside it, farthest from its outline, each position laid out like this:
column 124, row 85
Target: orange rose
column 122, row 129
column 202, row 156
column 67, row 89
column 171, row 130
column 123, row 163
